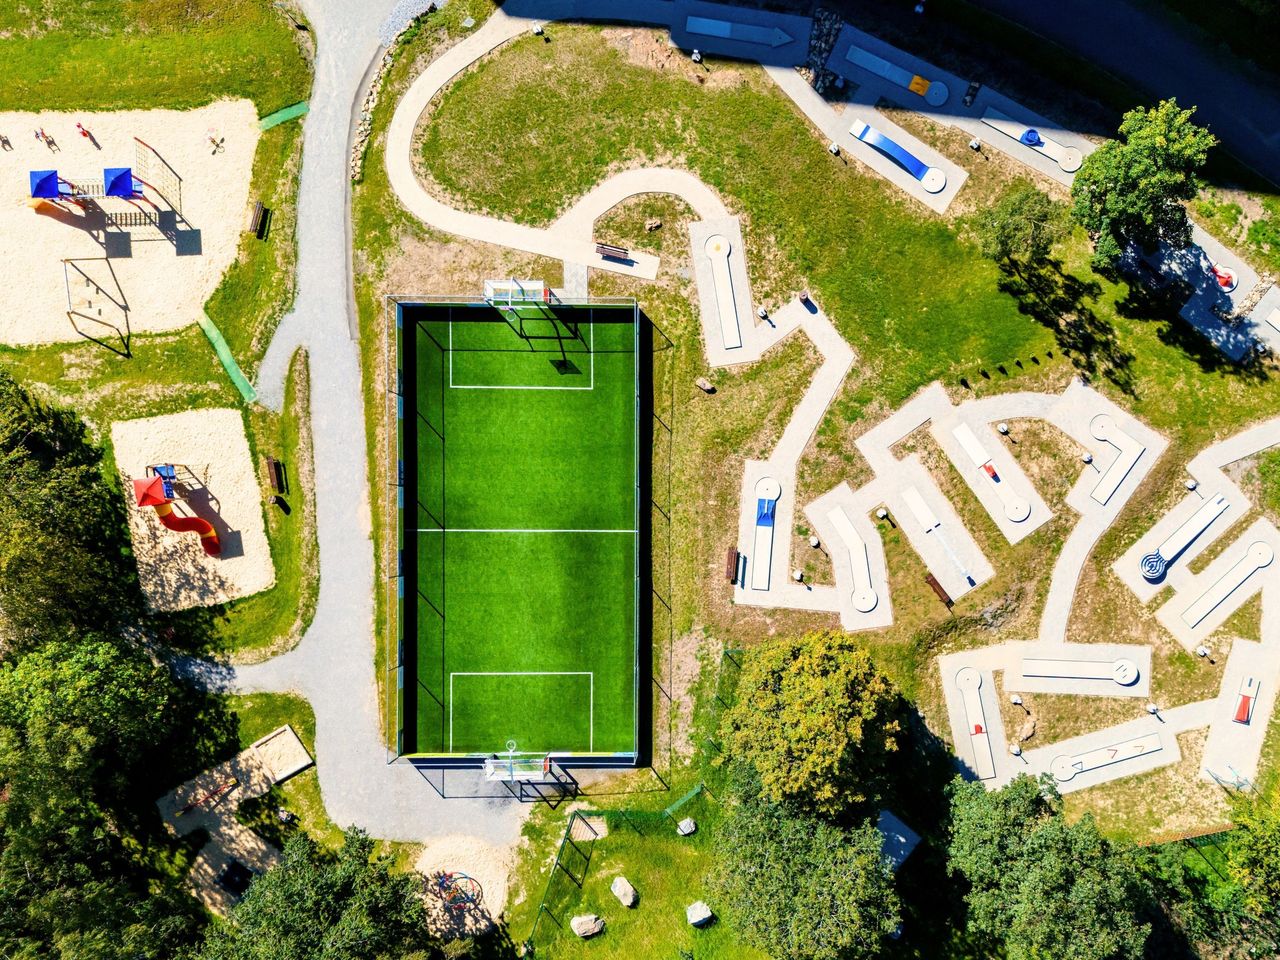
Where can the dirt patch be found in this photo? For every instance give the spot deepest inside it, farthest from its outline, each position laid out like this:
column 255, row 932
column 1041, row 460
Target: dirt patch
column 689, row 653
column 653, row 50
column 131, row 277
column 487, row 866
column 216, row 482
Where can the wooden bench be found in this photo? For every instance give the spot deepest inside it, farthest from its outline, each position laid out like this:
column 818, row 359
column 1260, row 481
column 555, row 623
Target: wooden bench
column 279, row 476
column 610, row 252
column 258, row 220
column 937, row 588
column 731, row 565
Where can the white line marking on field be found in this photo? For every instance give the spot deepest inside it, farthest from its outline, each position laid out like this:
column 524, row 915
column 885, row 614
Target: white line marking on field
column 516, row 530
column 591, row 383
column 591, row 694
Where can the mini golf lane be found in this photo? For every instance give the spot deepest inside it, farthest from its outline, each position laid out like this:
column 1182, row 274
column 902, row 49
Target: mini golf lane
column 935, row 93
column 1068, row 767
column 768, row 490
column 1256, row 556
column 1155, row 565
column 969, row 680
column 1067, row 158
column 1129, row 451
column 717, row 249
column 1016, row 508
column 864, row 594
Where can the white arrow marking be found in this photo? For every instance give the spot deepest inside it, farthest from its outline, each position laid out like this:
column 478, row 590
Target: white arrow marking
column 744, row 32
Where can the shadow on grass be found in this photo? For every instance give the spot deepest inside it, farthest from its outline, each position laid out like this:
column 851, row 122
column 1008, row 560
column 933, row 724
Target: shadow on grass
column 1063, row 304
column 1162, row 305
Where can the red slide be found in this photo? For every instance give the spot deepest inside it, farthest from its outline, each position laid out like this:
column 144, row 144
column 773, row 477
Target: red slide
column 149, row 494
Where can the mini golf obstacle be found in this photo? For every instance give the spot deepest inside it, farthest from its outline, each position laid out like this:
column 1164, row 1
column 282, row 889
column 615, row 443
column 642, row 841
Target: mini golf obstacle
column 1246, row 699
column 768, row 490
column 1067, row 158
column 934, row 93
column 158, row 490
column 931, row 178
column 1156, row 564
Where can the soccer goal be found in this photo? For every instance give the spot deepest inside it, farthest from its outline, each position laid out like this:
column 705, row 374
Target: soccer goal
column 518, row 768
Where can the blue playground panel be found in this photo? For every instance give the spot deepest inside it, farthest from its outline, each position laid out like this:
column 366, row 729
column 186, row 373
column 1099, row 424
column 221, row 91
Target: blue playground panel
column 904, row 158
column 45, row 185
column 120, row 182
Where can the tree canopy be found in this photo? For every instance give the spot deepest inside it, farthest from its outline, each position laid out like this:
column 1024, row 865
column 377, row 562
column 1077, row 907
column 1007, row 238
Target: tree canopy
column 815, row 720
column 1133, row 190
column 1022, row 226
column 1039, row 885
column 313, row 906
column 801, row 887
column 1253, row 850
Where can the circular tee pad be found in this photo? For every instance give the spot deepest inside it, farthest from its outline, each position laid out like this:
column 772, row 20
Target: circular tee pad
column 1062, row 769
column 934, row 180
column 864, row 601
column 1071, row 159
column 768, row 488
column 1124, row 672
column 937, row 94
column 717, row 246
column 1017, row 509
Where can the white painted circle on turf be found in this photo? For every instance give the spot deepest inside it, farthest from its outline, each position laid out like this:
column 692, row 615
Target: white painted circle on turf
column 937, row 94
column 934, row 180
column 1071, row 159
column 864, row 601
column 1124, row 672
column 768, row 488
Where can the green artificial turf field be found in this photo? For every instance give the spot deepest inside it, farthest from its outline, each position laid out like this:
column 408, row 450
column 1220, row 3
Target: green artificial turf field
column 519, row 530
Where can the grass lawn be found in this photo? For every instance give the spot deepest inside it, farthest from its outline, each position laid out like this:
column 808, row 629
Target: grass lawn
column 139, row 54
column 521, row 531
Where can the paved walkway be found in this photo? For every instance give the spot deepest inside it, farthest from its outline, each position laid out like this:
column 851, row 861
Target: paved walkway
column 333, row 665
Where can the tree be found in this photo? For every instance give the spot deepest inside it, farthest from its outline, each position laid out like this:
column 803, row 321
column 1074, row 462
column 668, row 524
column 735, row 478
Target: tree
column 1047, row 889
column 1022, row 226
column 77, row 717
column 1132, row 190
column 1253, row 850
column 348, row 907
column 816, row 722
column 800, row 887
column 64, row 560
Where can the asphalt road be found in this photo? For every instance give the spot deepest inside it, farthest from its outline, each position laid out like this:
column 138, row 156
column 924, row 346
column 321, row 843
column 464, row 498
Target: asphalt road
column 1241, row 108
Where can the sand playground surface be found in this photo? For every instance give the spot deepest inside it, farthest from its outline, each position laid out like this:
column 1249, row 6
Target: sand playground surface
column 490, row 866
column 216, row 476
column 209, row 801
column 133, row 277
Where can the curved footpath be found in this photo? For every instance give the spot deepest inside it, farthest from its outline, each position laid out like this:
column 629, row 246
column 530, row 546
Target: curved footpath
column 333, row 665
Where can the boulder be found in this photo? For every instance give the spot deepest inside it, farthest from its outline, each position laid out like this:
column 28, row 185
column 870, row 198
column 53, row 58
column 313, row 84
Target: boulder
column 698, row 914
column 624, row 891
column 705, row 385
column 1027, row 730
column 686, row 827
column 587, row 925
column 653, row 224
